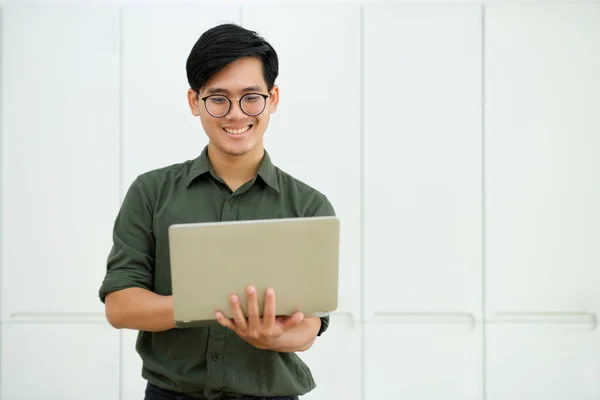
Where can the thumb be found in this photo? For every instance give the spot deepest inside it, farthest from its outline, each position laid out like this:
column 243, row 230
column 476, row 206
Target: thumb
column 292, row 321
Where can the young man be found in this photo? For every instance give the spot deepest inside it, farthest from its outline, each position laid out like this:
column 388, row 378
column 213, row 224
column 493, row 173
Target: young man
column 231, row 73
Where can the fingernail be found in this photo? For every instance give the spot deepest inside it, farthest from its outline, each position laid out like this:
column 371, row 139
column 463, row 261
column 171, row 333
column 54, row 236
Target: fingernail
column 234, row 298
column 250, row 290
column 269, row 292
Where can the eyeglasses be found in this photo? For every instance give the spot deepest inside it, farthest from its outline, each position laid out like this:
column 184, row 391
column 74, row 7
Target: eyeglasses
column 251, row 104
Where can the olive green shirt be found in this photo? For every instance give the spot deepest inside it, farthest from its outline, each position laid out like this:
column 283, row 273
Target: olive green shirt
column 206, row 362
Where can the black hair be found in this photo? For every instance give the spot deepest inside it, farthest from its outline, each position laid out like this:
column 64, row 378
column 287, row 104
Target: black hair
column 221, row 45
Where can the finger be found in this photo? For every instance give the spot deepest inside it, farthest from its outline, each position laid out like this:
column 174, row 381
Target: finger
column 224, row 321
column 253, row 309
column 269, row 310
column 238, row 315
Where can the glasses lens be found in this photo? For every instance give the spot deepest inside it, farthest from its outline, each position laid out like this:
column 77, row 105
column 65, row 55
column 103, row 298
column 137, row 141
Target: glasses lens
column 217, row 105
column 253, row 104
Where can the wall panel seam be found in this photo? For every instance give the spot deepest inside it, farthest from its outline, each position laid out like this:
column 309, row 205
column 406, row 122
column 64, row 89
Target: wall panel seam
column 483, row 226
column 362, row 198
column 1, row 180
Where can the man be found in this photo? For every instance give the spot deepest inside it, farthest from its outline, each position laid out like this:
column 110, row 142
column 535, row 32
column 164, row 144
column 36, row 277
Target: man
column 231, row 73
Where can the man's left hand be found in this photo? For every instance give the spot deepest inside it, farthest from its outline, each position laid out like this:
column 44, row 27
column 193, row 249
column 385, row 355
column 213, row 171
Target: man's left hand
column 264, row 332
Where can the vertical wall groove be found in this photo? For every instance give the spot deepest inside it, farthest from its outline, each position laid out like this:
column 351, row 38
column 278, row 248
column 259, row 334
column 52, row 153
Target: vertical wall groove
column 362, row 201
column 1, row 180
column 483, row 227
column 121, row 361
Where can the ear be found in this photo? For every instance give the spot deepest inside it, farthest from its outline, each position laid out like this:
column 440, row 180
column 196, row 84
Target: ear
column 274, row 98
column 194, row 102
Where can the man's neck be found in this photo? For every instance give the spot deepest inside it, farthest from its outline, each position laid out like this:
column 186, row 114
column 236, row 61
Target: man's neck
column 236, row 170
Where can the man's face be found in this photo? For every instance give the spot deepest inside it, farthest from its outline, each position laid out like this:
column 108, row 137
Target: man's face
column 236, row 133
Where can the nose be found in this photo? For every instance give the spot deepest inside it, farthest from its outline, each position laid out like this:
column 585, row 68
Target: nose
column 235, row 112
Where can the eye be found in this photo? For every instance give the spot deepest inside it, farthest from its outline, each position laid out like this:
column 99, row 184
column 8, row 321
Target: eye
column 217, row 99
column 251, row 97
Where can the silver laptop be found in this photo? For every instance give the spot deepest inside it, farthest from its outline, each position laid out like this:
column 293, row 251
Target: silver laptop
column 297, row 257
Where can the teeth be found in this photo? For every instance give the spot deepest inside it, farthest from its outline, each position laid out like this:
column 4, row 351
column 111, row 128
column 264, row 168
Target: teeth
column 236, row 131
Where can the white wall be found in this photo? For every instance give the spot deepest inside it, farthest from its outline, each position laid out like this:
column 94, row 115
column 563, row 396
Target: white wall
column 458, row 143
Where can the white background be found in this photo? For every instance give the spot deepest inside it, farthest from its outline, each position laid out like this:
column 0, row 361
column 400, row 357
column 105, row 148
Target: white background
column 459, row 144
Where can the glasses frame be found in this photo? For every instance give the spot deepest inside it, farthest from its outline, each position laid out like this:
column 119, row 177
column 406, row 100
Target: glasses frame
column 239, row 101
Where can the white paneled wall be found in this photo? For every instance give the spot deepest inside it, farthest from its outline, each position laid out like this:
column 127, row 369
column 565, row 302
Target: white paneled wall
column 542, row 191
column 457, row 142
column 60, row 193
column 422, row 211
column 66, row 361
column 60, row 156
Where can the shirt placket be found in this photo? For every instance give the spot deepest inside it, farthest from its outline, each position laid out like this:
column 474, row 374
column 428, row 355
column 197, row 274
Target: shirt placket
column 216, row 335
column 230, row 208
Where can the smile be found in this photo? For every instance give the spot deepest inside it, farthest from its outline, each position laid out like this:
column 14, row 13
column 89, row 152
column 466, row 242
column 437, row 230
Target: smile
column 237, row 131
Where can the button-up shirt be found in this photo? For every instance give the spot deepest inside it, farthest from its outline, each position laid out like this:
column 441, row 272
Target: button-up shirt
column 211, row 361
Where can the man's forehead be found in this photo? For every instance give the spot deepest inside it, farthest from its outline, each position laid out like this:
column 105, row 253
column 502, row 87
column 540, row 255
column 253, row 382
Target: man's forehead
column 231, row 89
column 237, row 76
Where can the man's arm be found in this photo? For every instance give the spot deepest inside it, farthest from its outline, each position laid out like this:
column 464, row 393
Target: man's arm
column 139, row 309
column 127, row 287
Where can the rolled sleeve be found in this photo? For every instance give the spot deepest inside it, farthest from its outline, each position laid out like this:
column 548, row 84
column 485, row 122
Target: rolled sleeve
column 324, row 208
column 130, row 262
column 324, row 325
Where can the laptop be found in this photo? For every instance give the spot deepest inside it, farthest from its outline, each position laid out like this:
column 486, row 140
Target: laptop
column 297, row 257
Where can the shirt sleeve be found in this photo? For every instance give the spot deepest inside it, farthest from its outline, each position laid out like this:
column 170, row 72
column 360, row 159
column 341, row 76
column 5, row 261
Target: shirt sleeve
column 130, row 262
column 324, row 208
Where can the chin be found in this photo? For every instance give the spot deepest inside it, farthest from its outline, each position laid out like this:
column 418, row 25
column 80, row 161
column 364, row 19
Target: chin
column 237, row 149
column 236, row 152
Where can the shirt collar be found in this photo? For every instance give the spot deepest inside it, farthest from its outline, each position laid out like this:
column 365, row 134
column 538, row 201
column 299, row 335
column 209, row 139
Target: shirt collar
column 202, row 165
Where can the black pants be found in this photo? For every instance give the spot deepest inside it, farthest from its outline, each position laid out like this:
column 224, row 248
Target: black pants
column 155, row 393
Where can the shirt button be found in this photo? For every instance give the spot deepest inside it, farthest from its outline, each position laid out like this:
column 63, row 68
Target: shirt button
column 231, row 199
column 214, row 357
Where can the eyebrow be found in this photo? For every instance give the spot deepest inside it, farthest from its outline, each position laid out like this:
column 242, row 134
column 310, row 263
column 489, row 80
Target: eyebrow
column 221, row 90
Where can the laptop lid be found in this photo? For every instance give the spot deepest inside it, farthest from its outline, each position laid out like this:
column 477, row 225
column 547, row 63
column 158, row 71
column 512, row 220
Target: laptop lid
column 297, row 257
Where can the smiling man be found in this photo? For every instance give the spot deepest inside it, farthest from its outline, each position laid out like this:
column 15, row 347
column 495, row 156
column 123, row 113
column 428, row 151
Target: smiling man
column 231, row 72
